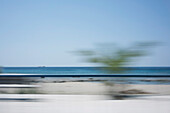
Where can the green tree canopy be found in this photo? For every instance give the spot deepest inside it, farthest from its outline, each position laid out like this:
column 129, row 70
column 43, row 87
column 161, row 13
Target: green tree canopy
column 115, row 58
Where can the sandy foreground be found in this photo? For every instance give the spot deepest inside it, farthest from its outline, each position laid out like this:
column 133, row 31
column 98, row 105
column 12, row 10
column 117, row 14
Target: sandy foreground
column 87, row 97
column 84, row 104
column 97, row 88
column 84, row 88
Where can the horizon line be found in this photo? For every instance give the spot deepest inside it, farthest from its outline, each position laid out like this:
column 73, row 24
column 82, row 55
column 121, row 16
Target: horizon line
column 77, row 66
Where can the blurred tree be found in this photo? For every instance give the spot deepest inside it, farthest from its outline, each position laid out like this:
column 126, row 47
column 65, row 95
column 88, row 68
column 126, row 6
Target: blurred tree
column 114, row 59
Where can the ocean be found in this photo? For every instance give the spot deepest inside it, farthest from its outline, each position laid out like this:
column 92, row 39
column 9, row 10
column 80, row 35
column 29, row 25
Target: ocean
column 96, row 71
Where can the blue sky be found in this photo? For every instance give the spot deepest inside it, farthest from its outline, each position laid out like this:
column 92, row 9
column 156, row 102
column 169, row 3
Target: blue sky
column 45, row 32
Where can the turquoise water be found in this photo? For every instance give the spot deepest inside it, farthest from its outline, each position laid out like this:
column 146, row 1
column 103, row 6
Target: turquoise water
column 96, row 71
column 84, row 70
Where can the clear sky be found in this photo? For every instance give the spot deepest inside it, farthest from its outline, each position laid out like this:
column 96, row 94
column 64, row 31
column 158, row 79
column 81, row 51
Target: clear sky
column 45, row 32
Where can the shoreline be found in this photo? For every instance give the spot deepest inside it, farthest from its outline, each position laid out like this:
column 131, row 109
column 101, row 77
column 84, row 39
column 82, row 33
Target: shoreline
column 117, row 80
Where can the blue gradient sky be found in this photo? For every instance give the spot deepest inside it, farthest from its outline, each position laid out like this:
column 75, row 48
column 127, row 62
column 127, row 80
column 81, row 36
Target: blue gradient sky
column 44, row 32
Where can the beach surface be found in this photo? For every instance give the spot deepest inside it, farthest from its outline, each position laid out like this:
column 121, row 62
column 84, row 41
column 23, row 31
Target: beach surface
column 99, row 88
column 83, row 104
column 87, row 97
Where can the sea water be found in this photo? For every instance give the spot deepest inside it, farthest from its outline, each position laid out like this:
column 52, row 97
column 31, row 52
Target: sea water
column 96, row 71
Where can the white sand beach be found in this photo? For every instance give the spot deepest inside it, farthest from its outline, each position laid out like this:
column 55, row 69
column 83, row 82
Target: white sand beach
column 86, row 97
column 85, row 88
column 98, row 88
column 84, row 104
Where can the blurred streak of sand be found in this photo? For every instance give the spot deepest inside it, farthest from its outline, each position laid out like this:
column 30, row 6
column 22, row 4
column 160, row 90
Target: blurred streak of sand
column 93, row 88
column 84, row 104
